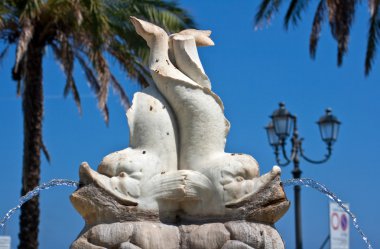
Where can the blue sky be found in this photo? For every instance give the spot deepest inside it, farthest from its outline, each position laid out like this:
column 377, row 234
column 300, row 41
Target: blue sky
column 251, row 71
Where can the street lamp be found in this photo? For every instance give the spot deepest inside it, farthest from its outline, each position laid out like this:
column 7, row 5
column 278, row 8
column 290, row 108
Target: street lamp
column 282, row 124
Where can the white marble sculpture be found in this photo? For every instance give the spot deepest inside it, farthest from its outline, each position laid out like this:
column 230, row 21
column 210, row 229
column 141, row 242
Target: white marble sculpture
column 176, row 166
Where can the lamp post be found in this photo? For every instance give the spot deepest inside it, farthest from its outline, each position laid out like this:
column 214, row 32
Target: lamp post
column 282, row 125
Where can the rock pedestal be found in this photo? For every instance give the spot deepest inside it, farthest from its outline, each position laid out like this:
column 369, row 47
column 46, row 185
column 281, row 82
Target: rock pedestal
column 228, row 235
column 110, row 224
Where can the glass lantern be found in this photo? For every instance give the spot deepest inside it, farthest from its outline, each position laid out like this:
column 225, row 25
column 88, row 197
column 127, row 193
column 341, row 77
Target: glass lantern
column 272, row 137
column 282, row 122
column 329, row 127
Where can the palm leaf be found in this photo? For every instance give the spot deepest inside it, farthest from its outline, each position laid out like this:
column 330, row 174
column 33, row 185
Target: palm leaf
column 10, row 31
column 20, row 76
column 293, row 13
column 120, row 91
column 128, row 62
column 45, row 150
column 23, row 42
column 104, row 76
column 90, row 75
column 266, row 11
column 65, row 56
column 94, row 83
column 2, row 13
column 373, row 35
column 30, row 8
column 164, row 13
column 66, row 12
column 341, row 16
column 372, row 6
column 71, row 86
column 164, row 18
column 316, row 29
column 96, row 23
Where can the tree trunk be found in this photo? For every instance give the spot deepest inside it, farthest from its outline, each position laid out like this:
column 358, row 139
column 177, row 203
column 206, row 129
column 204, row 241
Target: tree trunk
column 32, row 104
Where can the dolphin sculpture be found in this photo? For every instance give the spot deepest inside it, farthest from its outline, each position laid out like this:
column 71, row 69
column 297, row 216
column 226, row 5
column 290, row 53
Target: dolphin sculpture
column 177, row 138
column 202, row 126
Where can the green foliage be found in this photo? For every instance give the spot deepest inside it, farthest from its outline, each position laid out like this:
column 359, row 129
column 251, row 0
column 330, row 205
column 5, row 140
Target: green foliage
column 86, row 31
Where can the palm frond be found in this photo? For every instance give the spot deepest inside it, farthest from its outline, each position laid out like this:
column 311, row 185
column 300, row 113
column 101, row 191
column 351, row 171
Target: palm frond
column 10, row 31
column 30, row 9
column 341, row 16
column 96, row 22
column 372, row 6
column 373, row 36
column 106, row 114
column 93, row 30
column 265, row 12
column 120, row 91
column 65, row 55
column 182, row 16
column 71, row 86
column 45, row 150
column 66, row 12
column 144, row 77
column 167, row 14
column 20, row 76
column 129, row 62
column 23, row 42
column 104, row 76
column 293, row 14
column 3, row 12
column 90, row 75
column 162, row 17
column 94, row 83
column 316, row 29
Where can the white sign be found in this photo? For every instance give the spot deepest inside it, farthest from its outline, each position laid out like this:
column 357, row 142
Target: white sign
column 5, row 242
column 339, row 227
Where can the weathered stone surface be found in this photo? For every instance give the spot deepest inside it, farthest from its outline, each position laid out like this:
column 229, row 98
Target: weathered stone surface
column 212, row 236
column 110, row 234
column 234, row 244
column 157, row 235
column 267, row 205
column 255, row 235
column 127, row 245
column 96, row 207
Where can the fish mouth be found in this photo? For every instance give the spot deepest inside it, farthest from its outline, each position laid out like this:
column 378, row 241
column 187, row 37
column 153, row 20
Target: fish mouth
column 267, row 205
column 271, row 212
column 276, row 202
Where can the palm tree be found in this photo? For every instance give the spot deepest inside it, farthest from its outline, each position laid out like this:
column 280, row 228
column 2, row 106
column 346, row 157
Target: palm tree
column 340, row 14
column 82, row 31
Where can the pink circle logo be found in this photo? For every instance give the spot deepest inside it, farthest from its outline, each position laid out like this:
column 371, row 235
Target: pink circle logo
column 335, row 221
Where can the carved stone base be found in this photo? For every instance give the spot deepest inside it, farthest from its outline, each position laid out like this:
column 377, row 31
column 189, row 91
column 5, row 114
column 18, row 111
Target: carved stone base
column 96, row 206
column 146, row 235
column 110, row 224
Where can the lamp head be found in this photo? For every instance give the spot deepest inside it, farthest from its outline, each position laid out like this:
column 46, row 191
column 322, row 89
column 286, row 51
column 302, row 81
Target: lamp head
column 282, row 121
column 329, row 127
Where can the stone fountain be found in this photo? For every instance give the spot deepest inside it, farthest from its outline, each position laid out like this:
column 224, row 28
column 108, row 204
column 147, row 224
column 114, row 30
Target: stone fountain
column 175, row 186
